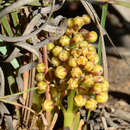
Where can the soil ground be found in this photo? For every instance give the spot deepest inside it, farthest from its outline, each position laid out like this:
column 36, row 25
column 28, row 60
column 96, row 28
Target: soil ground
column 119, row 93
column 119, row 78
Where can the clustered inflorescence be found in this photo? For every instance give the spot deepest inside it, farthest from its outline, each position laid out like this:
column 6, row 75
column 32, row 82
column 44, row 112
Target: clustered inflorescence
column 74, row 66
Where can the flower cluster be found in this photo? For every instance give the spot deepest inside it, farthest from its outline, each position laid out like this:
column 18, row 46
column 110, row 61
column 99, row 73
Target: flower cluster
column 74, row 66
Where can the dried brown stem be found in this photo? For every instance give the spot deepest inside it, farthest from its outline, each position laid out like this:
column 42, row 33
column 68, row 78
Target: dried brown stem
column 48, row 96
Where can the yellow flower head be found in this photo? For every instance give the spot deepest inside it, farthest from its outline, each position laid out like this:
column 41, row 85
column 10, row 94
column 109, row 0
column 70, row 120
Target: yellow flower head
column 60, row 72
column 78, row 37
column 64, row 55
column 102, row 97
column 72, row 83
column 41, row 87
column 40, row 67
column 64, row 40
column 48, row 105
column 76, row 72
column 56, row 51
column 55, row 61
column 86, row 19
column 82, row 60
column 91, row 104
column 80, row 100
column 72, row 62
column 50, row 46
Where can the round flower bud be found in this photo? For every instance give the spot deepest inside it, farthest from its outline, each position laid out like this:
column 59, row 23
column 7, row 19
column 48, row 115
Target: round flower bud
column 60, row 72
column 39, row 76
column 70, row 22
column 95, row 59
column 90, row 56
column 56, row 50
column 50, row 46
column 88, row 80
column 83, row 44
column 86, row 19
column 40, row 67
column 72, row 83
column 91, row 48
column 64, row 40
column 91, row 104
column 48, row 105
column 97, row 70
column 76, row 72
column 102, row 97
column 64, row 55
column 77, row 38
column 69, row 32
column 101, row 87
column 92, row 36
column 98, row 79
column 72, row 62
column 41, row 87
column 84, row 51
column 78, row 22
column 89, row 66
column 82, row 60
column 97, row 88
column 80, row 100
column 55, row 61
column 76, row 52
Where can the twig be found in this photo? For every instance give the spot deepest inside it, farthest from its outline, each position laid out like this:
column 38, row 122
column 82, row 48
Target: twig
column 53, row 121
column 104, row 123
column 81, row 123
column 48, row 96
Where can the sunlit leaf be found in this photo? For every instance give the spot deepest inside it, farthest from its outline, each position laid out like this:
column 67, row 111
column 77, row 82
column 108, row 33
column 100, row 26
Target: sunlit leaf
column 15, row 63
column 3, row 50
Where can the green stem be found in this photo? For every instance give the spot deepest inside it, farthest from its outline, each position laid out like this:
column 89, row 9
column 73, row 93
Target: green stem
column 68, row 119
column 88, row 116
column 103, row 20
column 69, row 115
column 62, row 107
column 70, row 100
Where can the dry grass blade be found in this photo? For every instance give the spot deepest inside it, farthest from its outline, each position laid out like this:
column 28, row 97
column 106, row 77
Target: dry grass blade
column 17, row 104
column 104, row 58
